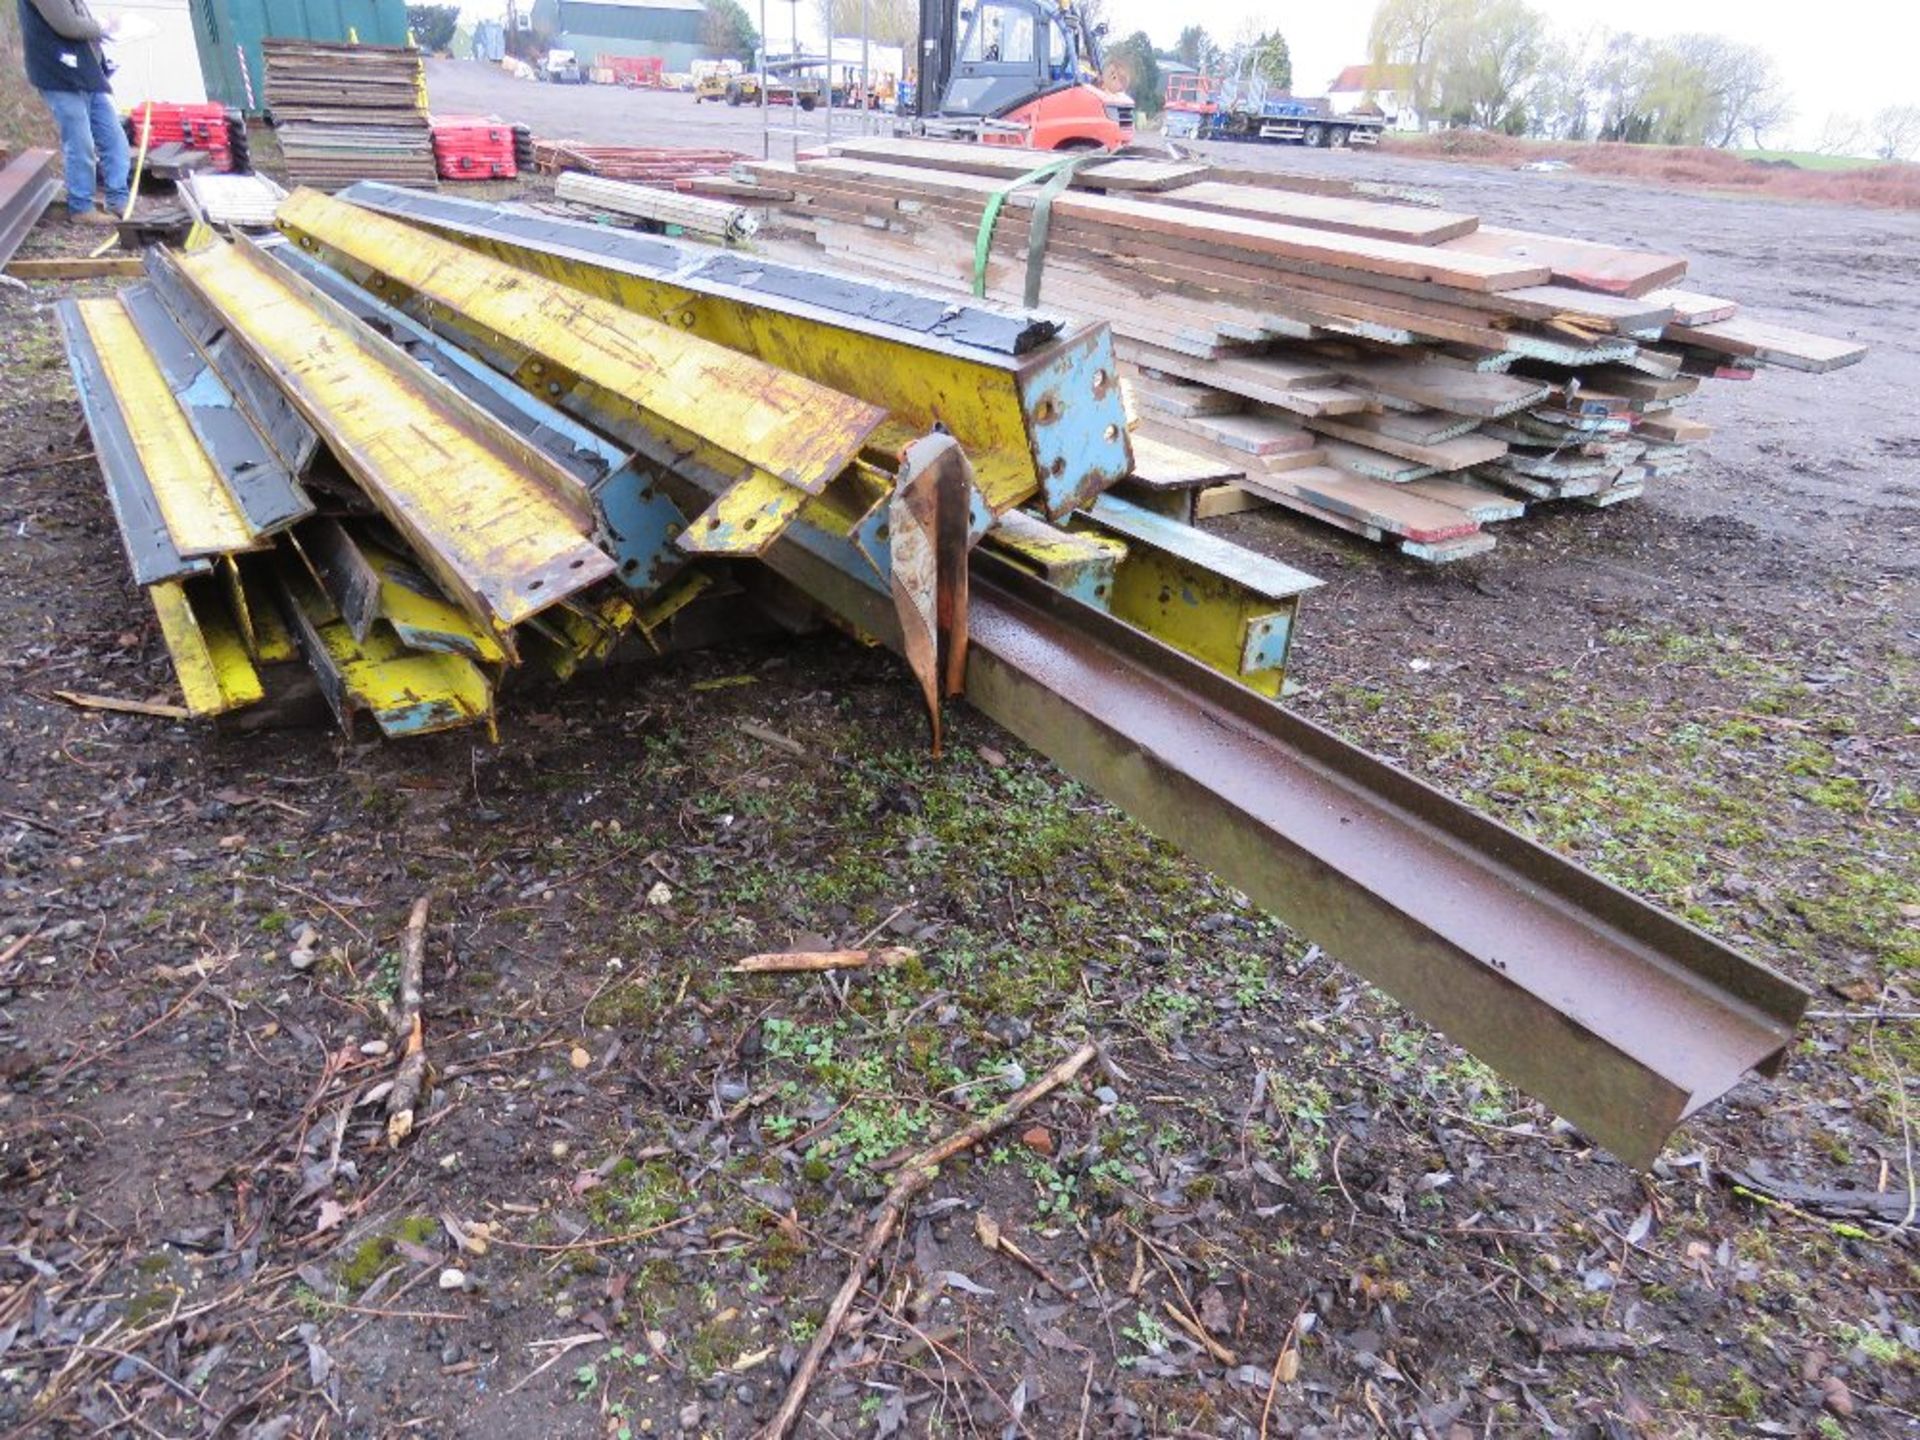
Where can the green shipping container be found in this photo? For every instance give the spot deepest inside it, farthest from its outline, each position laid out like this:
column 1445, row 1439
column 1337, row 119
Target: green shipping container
column 229, row 33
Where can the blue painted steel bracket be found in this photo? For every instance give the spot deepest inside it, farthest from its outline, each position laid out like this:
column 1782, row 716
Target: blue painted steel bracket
column 1076, row 429
column 1269, row 638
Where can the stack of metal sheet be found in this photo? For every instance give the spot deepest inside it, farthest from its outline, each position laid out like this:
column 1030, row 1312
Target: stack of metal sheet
column 247, row 201
column 350, row 112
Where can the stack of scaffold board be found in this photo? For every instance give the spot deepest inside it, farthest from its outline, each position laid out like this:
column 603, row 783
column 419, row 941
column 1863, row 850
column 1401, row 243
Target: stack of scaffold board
column 346, row 112
column 662, row 165
column 1399, row 371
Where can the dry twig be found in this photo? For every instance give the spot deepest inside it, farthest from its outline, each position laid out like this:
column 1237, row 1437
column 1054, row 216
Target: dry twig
column 406, row 1027
column 122, row 706
column 915, row 1176
column 800, row 962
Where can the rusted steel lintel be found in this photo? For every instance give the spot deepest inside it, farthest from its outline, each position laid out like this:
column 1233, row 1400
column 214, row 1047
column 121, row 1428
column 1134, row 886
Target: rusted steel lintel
column 1619, row 1016
column 27, row 187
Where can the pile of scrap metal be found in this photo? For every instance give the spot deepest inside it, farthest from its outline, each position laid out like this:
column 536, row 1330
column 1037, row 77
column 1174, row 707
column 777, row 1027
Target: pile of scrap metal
column 430, row 444
column 356, row 448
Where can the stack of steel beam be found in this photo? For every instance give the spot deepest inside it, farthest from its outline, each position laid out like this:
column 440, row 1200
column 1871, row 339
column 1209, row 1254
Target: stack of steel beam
column 662, row 165
column 666, row 208
column 347, row 112
column 419, row 465
column 423, row 445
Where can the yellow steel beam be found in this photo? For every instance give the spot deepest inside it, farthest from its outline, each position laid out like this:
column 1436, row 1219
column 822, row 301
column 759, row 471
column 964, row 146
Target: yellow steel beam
column 406, row 691
column 680, row 592
column 208, row 654
column 422, row 617
column 1015, row 416
column 801, row 432
column 255, row 613
column 503, row 528
column 200, row 513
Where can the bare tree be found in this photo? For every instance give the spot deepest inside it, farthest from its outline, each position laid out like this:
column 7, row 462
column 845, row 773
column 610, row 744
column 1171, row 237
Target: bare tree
column 1843, row 134
column 1896, row 132
column 1565, row 104
column 1488, row 57
column 1740, row 84
column 1693, row 89
column 1406, row 32
column 889, row 22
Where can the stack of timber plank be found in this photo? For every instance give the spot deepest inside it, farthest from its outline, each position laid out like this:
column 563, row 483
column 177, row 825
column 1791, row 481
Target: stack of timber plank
column 1400, row 371
column 346, row 112
column 663, row 166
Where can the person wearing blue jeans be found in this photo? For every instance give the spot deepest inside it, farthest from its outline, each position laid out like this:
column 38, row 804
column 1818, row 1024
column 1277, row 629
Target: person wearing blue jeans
column 66, row 64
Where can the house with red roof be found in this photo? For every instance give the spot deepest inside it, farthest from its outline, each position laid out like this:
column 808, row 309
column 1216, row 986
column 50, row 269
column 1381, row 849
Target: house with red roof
column 1376, row 89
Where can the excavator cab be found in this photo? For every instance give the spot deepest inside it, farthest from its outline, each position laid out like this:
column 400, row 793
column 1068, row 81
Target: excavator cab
column 1034, row 67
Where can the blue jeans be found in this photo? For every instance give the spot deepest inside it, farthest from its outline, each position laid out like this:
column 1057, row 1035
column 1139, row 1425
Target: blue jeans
column 93, row 146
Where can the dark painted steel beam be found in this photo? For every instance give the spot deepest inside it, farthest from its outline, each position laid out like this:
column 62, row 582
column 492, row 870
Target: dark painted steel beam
column 27, row 186
column 151, row 552
column 821, row 296
column 258, row 478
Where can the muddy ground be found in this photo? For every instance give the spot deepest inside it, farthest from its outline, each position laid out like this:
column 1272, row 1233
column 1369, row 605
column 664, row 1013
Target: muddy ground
column 650, row 1173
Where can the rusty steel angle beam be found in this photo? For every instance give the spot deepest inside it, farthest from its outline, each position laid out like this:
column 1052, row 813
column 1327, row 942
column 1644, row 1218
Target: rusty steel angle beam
column 1619, row 1016
column 27, row 186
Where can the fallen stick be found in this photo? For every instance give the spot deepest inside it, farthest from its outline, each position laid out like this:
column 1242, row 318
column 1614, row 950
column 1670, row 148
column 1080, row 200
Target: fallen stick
column 1199, row 1333
column 774, row 738
column 916, row 1175
column 124, row 707
column 565, row 1348
column 794, row 962
column 993, row 1238
column 407, row 1028
column 77, row 268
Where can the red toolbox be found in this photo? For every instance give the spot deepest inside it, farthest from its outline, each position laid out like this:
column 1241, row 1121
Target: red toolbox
column 473, row 147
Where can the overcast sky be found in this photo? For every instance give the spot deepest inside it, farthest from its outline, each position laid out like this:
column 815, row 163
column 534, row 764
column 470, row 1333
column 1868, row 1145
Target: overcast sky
column 1835, row 55
column 1854, row 56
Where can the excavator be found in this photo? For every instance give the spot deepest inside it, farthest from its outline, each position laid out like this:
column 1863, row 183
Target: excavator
column 1017, row 72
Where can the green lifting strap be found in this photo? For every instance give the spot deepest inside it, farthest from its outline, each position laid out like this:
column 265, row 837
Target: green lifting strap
column 1057, row 175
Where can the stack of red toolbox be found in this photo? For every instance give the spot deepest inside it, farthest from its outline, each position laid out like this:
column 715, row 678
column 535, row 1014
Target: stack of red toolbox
column 473, row 147
column 195, row 127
